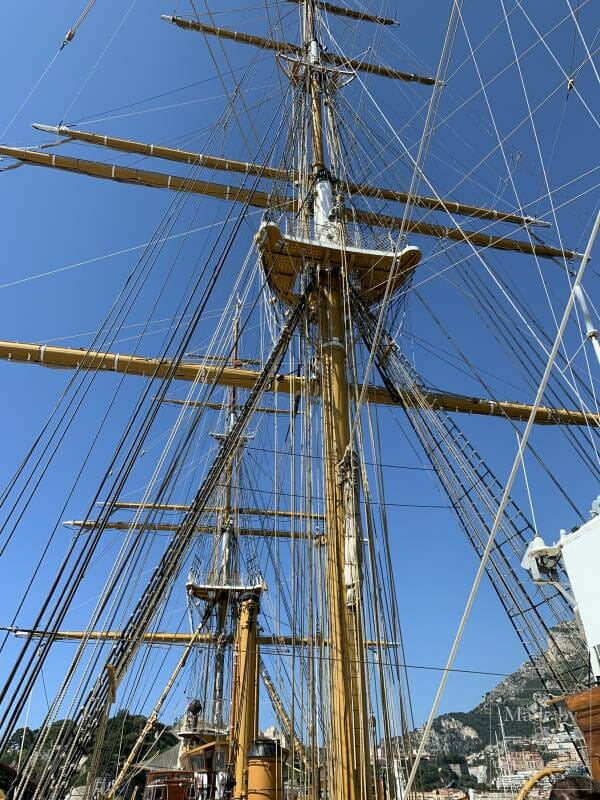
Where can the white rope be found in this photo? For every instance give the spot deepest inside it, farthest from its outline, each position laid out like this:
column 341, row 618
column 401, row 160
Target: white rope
column 505, row 68
column 102, row 54
column 528, row 117
column 444, row 121
column 582, row 37
column 558, row 64
column 510, row 133
column 169, row 106
column 474, row 250
column 533, row 519
column 499, row 513
column 131, row 249
column 539, row 152
column 31, row 91
column 549, row 194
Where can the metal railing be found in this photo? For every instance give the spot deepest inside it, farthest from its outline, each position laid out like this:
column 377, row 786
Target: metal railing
column 355, row 235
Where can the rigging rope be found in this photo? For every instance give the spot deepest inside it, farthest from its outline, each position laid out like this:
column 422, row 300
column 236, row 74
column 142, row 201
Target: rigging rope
column 498, row 517
column 73, row 585
column 73, row 29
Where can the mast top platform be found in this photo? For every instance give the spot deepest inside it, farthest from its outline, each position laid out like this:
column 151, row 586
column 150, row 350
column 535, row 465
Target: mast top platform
column 284, row 258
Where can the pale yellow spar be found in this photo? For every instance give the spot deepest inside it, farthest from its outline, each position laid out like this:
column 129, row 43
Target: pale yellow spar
column 70, row 358
column 276, row 173
column 164, row 638
column 250, row 512
column 260, row 199
column 296, row 50
column 171, row 527
column 344, row 11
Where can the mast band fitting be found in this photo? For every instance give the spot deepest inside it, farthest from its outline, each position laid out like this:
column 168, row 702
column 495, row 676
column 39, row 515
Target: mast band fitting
column 334, row 343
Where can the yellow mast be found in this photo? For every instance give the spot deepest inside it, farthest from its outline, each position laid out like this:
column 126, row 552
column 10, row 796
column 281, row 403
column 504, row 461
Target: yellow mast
column 349, row 752
column 244, row 708
column 348, row 712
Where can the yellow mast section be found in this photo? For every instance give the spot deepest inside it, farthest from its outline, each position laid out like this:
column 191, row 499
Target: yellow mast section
column 244, row 708
column 71, row 358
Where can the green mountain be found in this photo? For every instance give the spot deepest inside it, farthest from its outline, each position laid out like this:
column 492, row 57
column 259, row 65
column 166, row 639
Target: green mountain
column 122, row 733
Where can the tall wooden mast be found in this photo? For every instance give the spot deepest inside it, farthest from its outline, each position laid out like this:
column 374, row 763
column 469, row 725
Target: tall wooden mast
column 349, row 752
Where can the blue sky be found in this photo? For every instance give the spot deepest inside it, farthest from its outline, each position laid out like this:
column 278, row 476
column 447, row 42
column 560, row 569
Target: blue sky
column 120, row 72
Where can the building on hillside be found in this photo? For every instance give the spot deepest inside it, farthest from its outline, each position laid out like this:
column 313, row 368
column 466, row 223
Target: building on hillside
column 444, row 794
column 529, row 761
column 513, row 781
column 479, row 772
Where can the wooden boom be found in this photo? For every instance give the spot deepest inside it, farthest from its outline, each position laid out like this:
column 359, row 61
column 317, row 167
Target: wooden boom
column 296, row 50
column 70, row 358
column 251, row 512
column 176, row 401
column 260, row 199
column 458, row 234
column 168, row 153
column 170, row 527
column 146, row 178
column 275, row 173
column 343, row 11
column 160, row 638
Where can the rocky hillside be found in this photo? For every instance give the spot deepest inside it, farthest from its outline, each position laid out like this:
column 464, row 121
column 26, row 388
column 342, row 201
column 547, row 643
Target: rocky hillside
column 518, row 700
column 514, row 699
